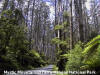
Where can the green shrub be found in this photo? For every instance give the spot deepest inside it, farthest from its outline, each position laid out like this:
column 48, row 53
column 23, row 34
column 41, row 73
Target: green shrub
column 61, row 63
column 92, row 54
column 74, row 58
column 55, row 68
column 93, row 61
column 83, row 59
column 14, row 51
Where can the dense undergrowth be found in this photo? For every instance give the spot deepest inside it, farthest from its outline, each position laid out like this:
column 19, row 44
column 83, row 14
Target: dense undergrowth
column 14, row 46
column 84, row 57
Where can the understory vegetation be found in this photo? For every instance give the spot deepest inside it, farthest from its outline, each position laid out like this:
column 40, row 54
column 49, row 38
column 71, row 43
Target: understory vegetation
column 63, row 33
column 14, row 50
column 83, row 57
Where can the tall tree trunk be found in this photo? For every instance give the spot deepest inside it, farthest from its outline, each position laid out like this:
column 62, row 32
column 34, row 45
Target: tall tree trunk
column 27, row 13
column 55, row 12
column 71, row 27
column 31, row 29
column 78, row 10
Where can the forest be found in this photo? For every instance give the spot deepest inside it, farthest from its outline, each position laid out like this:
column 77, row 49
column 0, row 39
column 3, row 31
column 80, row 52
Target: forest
column 37, row 33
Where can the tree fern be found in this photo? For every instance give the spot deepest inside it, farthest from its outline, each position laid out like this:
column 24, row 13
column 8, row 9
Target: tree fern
column 95, row 41
column 92, row 53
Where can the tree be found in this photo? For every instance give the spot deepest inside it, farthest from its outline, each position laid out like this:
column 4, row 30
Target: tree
column 14, row 52
column 13, row 41
column 78, row 13
column 5, row 5
column 71, row 26
column 31, row 28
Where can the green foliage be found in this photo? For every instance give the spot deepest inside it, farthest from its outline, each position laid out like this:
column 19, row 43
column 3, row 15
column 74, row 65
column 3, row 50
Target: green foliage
column 6, row 14
column 93, row 40
column 65, row 14
column 55, row 68
column 55, row 40
column 33, row 52
column 65, row 23
column 12, row 41
column 89, row 58
column 94, row 61
column 58, row 41
column 30, row 60
column 61, row 44
column 74, row 58
column 62, row 26
column 57, row 27
column 61, row 63
column 91, row 47
column 92, row 53
column 14, row 53
column 45, row 59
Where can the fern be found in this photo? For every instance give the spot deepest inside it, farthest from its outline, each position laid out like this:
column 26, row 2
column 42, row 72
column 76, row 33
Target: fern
column 90, row 47
column 92, row 53
column 94, row 59
column 95, row 41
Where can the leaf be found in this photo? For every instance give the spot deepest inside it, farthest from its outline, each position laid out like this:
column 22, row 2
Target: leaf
column 57, row 27
column 91, row 44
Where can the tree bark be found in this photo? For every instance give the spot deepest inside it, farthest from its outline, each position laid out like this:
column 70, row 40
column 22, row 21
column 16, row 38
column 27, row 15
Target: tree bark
column 31, row 29
column 78, row 10
column 71, row 27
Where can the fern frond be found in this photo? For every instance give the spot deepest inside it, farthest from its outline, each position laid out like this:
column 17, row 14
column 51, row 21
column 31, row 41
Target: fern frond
column 95, row 41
